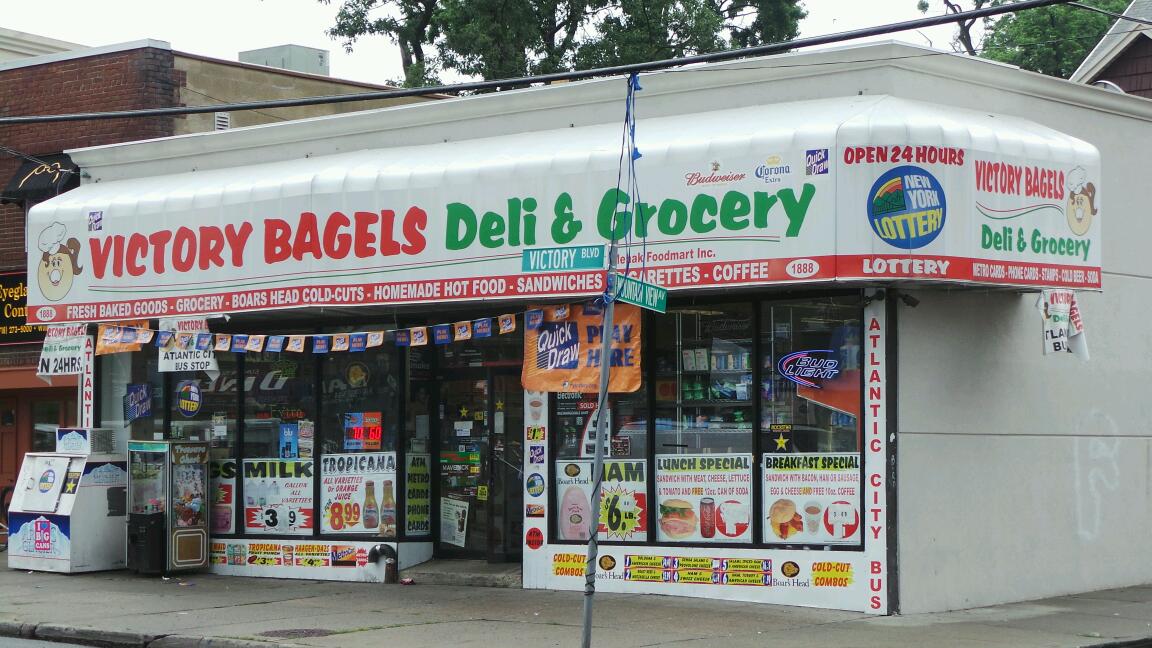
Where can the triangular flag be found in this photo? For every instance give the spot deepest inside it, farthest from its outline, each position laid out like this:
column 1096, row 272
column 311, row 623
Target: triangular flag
column 340, row 342
column 442, row 333
column 184, row 341
column 144, row 336
column 239, row 343
column 419, row 335
column 357, row 342
column 403, row 338
column 296, row 343
column 203, row 341
column 462, row 331
column 321, row 343
column 482, row 328
column 255, row 343
column 223, row 342
column 275, row 343
column 532, row 319
column 375, row 338
column 164, row 339
column 507, row 324
column 557, row 313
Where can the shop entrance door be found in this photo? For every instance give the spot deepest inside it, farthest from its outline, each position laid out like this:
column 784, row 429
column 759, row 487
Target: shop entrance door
column 481, row 458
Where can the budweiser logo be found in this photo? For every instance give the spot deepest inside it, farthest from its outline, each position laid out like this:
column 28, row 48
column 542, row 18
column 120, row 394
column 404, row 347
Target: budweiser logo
column 697, row 178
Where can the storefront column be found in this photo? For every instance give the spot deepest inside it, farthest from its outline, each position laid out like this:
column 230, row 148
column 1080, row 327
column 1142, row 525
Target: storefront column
column 877, row 447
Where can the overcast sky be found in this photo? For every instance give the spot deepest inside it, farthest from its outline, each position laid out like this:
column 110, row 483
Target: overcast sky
column 222, row 28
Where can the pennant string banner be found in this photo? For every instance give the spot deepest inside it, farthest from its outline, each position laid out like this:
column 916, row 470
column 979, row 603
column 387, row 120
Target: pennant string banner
column 360, row 341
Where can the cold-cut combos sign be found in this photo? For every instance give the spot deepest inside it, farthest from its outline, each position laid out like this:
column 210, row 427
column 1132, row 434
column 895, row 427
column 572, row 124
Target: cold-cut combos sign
column 704, row 498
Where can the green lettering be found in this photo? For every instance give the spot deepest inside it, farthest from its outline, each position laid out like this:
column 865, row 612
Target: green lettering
column 762, row 202
column 460, row 216
column 644, row 214
column 703, row 204
column 985, row 237
column 613, row 223
column 491, row 230
column 734, row 210
column 565, row 227
column 673, row 216
column 796, row 210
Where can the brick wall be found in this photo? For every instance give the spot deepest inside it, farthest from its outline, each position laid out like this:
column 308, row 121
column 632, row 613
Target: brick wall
column 127, row 80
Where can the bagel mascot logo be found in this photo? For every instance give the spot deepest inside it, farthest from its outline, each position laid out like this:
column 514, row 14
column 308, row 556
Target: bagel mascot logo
column 59, row 263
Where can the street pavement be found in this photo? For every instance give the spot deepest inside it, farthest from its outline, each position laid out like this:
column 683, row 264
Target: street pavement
column 209, row 611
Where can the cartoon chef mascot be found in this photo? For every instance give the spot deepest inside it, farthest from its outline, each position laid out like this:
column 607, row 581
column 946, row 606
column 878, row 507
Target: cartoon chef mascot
column 1081, row 201
column 60, row 263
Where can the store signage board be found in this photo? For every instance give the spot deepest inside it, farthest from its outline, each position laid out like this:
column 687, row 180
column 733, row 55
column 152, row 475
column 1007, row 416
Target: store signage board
column 856, row 202
column 638, row 293
column 562, row 259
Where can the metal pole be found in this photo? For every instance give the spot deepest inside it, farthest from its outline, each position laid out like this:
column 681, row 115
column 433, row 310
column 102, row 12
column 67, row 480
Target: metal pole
column 598, row 461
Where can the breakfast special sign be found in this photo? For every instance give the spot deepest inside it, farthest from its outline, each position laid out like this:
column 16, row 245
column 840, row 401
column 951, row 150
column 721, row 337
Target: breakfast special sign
column 885, row 210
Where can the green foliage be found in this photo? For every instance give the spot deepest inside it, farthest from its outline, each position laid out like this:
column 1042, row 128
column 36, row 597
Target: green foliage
column 1050, row 40
column 499, row 39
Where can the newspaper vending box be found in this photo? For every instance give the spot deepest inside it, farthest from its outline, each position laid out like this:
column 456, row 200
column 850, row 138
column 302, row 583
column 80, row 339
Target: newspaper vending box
column 168, row 508
column 67, row 512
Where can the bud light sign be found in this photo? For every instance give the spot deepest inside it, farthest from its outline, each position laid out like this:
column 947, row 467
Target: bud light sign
column 906, row 207
column 801, row 367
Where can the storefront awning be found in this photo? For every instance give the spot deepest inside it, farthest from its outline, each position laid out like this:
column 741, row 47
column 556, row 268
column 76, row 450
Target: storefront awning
column 46, row 177
column 876, row 189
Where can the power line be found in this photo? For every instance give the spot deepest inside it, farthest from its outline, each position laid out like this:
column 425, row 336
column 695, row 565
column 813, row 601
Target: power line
column 497, row 84
column 1112, row 14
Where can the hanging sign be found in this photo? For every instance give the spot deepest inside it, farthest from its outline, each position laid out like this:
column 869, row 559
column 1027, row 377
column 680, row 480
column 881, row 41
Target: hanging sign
column 63, row 352
column 564, row 356
column 1063, row 326
column 188, row 358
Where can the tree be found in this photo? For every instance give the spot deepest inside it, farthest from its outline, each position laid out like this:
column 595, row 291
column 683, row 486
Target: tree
column 498, row 39
column 1051, row 40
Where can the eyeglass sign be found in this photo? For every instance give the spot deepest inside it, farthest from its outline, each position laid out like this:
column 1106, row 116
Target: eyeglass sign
column 14, row 327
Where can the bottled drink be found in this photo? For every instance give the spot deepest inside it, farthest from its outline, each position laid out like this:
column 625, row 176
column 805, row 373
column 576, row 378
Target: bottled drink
column 370, row 510
column 262, row 494
column 387, row 510
column 707, row 517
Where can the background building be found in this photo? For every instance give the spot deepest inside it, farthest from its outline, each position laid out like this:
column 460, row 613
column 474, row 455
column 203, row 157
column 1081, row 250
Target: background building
column 44, row 76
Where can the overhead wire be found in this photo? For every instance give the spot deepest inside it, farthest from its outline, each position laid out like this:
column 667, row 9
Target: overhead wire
column 519, row 82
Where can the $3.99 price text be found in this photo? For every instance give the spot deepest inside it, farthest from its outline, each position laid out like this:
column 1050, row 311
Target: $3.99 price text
column 277, row 518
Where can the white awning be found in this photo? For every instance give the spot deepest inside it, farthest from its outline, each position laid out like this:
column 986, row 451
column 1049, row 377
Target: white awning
column 856, row 188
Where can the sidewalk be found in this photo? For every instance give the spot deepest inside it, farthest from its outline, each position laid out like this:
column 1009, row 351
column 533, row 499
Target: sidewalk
column 204, row 610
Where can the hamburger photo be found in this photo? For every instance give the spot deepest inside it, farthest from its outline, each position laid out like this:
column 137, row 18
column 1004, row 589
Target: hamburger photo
column 677, row 519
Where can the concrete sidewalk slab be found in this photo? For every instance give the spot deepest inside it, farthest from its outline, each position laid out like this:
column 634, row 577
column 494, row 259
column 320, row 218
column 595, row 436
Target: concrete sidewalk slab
column 206, row 611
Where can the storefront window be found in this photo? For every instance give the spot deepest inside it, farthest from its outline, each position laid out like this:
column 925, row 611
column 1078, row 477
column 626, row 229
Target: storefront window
column 810, row 421
column 704, row 423
column 202, row 408
column 279, row 442
column 624, row 514
column 417, row 431
column 359, row 429
column 131, row 394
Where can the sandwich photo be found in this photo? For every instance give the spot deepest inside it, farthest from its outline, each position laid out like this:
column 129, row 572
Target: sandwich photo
column 784, row 519
column 677, row 519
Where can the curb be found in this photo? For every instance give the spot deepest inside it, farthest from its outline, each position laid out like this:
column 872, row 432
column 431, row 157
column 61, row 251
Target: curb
column 118, row 639
column 1145, row 642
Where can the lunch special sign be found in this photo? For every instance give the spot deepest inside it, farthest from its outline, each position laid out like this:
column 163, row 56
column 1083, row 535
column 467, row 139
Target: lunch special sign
column 887, row 210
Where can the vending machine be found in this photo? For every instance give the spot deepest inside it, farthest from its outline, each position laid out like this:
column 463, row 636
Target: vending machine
column 167, row 506
column 67, row 512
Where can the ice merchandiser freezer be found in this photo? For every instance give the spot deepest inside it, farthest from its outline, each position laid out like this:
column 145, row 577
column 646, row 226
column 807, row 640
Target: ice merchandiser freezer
column 68, row 510
column 167, row 506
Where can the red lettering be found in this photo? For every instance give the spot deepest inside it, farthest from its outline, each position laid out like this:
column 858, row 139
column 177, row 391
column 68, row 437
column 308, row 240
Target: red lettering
column 875, row 480
column 337, row 243
column 876, row 567
column 876, row 532
column 874, row 325
column 414, row 223
column 276, row 246
column 874, row 377
column 118, row 256
column 211, row 245
column 872, row 360
column 159, row 241
column 307, row 240
column 137, row 248
column 874, row 602
column 98, row 250
column 364, row 237
column 874, row 445
column 875, row 514
column 238, row 238
column 184, row 250
column 875, row 409
column 873, row 393
column 876, row 584
column 388, row 244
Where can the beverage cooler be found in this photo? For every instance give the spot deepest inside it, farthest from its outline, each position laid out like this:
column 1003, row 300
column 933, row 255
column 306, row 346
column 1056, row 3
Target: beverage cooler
column 67, row 511
column 167, row 506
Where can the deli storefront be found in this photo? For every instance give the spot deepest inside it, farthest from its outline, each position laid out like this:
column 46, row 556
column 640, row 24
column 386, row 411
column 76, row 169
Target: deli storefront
column 413, row 330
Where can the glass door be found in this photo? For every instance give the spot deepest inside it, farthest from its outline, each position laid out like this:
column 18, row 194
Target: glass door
column 506, row 497
column 464, row 467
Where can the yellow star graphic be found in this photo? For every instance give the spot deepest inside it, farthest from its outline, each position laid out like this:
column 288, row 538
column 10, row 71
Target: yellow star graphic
column 463, row 412
column 781, row 442
column 499, row 406
column 70, row 487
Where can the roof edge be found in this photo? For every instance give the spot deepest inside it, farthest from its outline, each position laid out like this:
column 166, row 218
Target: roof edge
column 44, row 59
